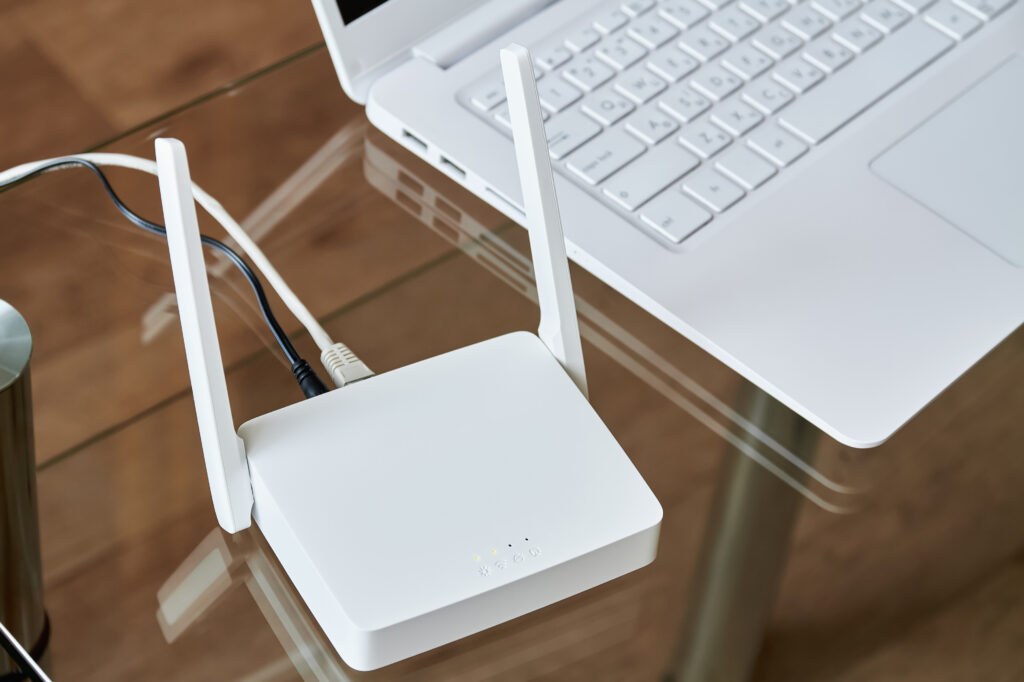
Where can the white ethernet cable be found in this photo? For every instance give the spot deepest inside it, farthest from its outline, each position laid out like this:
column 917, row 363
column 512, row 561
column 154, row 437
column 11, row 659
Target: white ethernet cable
column 29, row 667
column 340, row 362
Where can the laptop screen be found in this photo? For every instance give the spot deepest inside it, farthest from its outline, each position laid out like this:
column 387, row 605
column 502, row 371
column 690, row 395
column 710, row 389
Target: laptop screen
column 353, row 9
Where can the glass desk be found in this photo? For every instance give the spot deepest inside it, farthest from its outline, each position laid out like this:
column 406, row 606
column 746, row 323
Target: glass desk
column 833, row 558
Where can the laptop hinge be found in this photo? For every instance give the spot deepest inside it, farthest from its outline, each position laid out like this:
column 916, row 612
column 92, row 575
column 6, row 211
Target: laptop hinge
column 463, row 37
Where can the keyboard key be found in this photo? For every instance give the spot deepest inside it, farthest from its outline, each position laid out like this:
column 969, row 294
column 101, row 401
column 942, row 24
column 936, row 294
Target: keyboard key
column 715, row 4
column 551, row 56
column 674, row 216
column 827, row 54
column 684, row 103
column 703, row 43
column 683, row 13
column 952, row 20
column 635, row 8
column 765, row 10
column 734, row 23
column 745, row 167
column 776, row 41
column 581, row 38
column 610, row 20
column 777, row 145
column 856, row 35
column 639, row 84
column 884, row 15
column 806, row 22
column 984, row 9
column 915, row 6
column 503, row 117
column 587, row 73
column 637, row 183
column 820, row 113
column 671, row 63
column 712, row 189
column 556, row 95
column 607, row 106
column 599, row 158
column 768, row 95
column 837, row 10
column 488, row 95
column 620, row 52
column 797, row 74
column 651, row 124
column 716, row 82
column 567, row 132
column 704, row 138
column 652, row 32
column 736, row 117
column 747, row 61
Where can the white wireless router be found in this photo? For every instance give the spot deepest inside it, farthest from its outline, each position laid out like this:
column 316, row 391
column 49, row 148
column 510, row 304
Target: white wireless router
column 437, row 500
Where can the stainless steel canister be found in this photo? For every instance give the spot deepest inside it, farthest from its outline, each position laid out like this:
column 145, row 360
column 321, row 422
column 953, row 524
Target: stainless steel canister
column 21, row 583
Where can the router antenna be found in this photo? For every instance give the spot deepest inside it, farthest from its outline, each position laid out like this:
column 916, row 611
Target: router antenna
column 559, row 328
column 223, row 450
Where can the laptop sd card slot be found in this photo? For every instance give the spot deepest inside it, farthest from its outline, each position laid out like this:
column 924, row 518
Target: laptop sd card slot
column 505, row 205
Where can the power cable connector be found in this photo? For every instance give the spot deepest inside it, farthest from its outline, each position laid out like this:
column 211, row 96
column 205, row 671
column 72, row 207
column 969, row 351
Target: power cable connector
column 309, row 382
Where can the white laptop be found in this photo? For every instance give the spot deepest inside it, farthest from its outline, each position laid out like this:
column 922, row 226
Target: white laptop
column 827, row 195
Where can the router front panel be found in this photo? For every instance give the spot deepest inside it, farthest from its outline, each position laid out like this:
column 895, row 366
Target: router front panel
column 430, row 497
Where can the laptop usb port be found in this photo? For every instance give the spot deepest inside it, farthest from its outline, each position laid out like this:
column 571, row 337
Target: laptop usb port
column 452, row 169
column 414, row 142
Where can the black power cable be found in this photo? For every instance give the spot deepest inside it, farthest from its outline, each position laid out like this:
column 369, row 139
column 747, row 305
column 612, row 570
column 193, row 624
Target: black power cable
column 309, row 382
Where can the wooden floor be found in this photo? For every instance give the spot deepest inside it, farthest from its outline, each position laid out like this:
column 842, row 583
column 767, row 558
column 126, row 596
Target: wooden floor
column 924, row 582
column 75, row 73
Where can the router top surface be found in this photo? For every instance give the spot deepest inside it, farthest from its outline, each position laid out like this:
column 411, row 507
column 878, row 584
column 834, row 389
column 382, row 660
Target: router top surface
column 437, row 482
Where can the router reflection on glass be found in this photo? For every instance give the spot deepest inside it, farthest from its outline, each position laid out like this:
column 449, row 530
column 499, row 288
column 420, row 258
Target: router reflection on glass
column 401, row 529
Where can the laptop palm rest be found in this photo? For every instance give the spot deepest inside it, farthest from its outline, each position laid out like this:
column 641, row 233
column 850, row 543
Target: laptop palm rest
column 966, row 163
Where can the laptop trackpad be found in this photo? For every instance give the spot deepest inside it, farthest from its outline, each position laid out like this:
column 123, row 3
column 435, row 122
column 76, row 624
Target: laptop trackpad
column 966, row 163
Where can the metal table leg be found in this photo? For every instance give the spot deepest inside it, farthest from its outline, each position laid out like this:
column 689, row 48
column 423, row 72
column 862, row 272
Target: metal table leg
column 21, row 581
column 744, row 552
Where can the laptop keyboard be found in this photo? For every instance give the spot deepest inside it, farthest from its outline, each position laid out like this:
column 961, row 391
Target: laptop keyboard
column 673, row 111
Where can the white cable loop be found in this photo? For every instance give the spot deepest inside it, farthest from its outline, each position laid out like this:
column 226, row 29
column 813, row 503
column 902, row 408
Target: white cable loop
column 343, row 365
column 218, row 213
